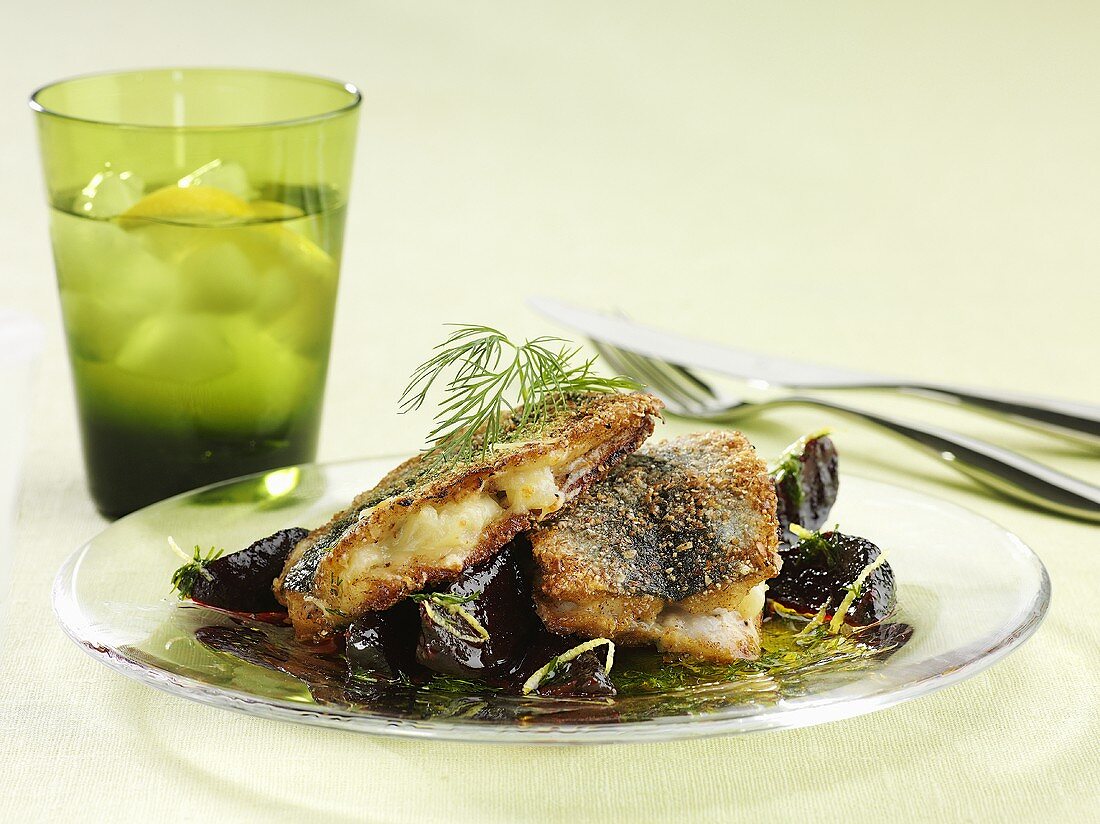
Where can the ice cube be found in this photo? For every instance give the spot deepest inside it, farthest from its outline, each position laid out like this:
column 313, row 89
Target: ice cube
column 298, row 290
column 279, row 293
column 297, row 307
column 178, row 348
column 99, row 258
column 109, row 194
column 132, row 399
column 271, row 383
column 218, row 278
column 96, row 328
column 229, row 177
column 307, row 326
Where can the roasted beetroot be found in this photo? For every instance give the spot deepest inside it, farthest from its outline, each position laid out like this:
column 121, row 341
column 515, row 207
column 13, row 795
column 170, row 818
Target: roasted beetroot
column 820, row 570
column 384, row 643
column 240, row 582
column 484, row 625
column 583, row 675
column 481, row 623
column 806, row 484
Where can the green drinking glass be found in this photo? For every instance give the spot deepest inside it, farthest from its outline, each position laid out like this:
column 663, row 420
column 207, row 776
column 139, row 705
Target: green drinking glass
column 197, row 221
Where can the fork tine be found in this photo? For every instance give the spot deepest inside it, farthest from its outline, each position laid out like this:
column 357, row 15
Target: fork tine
column 643, row 369
column 687, row 382
column 617, row 359
column 695, row 387
column 691, row 377
column 610, row 356
column 660, row 377
column 652, row 375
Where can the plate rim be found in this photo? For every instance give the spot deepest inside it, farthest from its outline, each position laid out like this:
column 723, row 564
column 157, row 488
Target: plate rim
column 779, row 715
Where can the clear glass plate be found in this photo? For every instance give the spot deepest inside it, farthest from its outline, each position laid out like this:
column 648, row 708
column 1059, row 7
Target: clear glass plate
column 971, row 591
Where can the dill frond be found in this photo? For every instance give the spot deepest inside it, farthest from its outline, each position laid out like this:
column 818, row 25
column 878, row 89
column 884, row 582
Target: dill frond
column 485, row 375
column 187, row 576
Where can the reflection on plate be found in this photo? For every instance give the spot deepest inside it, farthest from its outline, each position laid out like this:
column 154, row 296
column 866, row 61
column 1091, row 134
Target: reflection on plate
column 970, row 590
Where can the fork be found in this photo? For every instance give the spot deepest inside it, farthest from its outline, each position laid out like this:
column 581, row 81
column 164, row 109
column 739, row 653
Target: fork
column 687, row 395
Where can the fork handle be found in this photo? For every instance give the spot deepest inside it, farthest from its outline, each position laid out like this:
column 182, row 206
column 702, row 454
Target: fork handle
column 1065, row 417
column 1004, row 470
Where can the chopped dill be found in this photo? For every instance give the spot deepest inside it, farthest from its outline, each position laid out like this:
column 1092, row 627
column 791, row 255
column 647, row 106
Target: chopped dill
column 792, row 650
column 444, row 598
column 444, row 609
column 452, row 683
column 814, row 541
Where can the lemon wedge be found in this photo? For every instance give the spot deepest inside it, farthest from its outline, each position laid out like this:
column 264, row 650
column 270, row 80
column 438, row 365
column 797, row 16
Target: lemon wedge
column 190, row 204
column 275, row 210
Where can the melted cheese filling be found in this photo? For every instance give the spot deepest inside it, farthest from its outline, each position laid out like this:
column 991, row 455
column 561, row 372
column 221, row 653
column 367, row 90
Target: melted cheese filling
column 440, row 531
column 531, row 488
column 444, row 535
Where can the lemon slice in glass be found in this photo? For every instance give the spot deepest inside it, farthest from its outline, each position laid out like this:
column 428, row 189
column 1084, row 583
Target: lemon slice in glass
column 273, row 210
column 201, row 205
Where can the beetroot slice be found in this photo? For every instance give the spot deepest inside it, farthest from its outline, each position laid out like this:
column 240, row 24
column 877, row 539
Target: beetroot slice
column 241, row 582
column 806, row 486
column 383, row 644
column 499, row 600
column 817, row 572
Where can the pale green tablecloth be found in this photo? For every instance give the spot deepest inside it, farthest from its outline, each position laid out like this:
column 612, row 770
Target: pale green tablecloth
column 907, row 187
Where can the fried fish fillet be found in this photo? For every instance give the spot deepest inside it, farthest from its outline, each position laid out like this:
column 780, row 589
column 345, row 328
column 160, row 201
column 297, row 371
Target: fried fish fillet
column 423, row 524
column 672, row 548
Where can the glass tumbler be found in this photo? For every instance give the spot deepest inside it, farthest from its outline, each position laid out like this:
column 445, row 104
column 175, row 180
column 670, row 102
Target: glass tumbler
column 197, row 222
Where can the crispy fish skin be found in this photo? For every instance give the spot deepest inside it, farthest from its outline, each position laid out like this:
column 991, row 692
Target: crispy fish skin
column 667, row 549
column 349, row 566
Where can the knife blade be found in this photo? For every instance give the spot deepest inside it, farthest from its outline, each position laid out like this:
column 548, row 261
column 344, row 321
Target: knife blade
column 687, row 351
column 1064, row 417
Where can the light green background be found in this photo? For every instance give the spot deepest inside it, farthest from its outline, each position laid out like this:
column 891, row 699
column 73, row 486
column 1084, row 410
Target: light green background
column 906, row 187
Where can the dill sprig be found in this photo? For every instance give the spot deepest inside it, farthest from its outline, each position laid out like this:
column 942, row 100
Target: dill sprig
column 185, row 578
column 444, row 599
column 489, row 376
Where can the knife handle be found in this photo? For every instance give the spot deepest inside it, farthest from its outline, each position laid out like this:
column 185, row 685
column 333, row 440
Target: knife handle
column 1063, row 417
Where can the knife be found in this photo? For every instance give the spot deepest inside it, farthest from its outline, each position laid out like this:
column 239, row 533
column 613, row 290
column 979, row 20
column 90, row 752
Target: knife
column 1063, row 417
